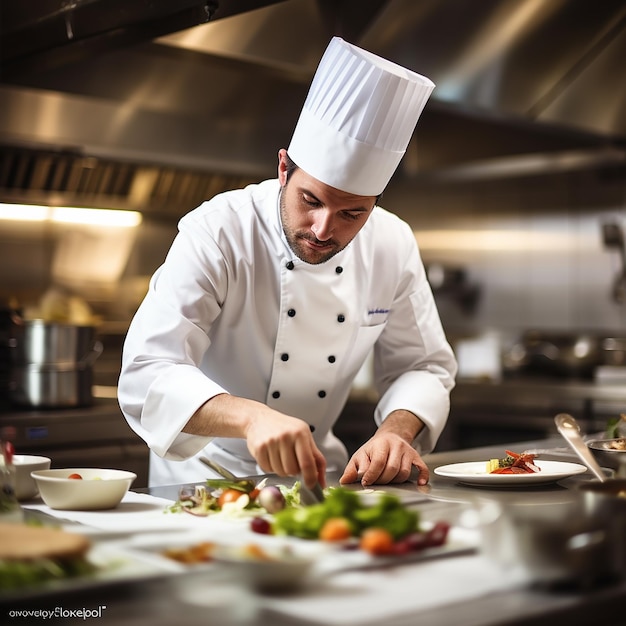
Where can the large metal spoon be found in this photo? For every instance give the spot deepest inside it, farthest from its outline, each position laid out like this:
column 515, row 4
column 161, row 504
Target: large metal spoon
column 569, row 428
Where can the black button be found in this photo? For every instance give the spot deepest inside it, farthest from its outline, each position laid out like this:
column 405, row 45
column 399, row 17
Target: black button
column 321, row 394
column 284, row 357
column 290, row 265
column 340, row 318
column 291, row 312
column 339, row 269
column 331, row 359
column 276, row 394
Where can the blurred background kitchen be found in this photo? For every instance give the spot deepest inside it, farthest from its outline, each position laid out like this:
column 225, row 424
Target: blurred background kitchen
column 515, row 185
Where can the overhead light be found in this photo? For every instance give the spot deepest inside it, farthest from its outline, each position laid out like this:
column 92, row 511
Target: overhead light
column 97, row 217
column 24, row 212
column 70, row 215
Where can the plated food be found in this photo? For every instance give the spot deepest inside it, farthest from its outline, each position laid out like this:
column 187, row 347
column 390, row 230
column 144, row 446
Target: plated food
column 380, row 526
column 475, row 473
column 32, row 555
column 514, row 463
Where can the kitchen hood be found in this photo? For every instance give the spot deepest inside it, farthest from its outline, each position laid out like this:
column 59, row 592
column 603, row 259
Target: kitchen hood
column 157, row 104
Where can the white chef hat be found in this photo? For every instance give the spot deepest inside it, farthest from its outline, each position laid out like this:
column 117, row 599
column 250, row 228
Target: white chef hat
column 357, row 120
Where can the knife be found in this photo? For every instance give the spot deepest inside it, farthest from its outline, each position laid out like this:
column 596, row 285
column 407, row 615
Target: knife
column 313, row 495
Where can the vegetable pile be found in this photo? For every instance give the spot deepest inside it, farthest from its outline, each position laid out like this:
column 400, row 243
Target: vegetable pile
column 513, row 463
column 236, row 498
column 386, row 527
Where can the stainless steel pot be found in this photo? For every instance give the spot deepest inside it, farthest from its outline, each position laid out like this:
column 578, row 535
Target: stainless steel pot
column 555, row 354
column 42, row 343
column 46, row 386
column 609, row 456
column 52, row 364
column 554, row 545
column 614, row 351
column 606, row 502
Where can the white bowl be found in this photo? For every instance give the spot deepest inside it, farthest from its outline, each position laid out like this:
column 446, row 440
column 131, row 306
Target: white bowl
column 97, row 490
column 25, row 485
column 278, row 572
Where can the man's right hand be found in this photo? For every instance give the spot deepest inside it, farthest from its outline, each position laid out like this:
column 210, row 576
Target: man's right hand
column 285, row 446
column 280, row 444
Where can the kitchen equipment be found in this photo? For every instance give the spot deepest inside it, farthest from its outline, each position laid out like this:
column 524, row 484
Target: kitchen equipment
column 562, row 355
column 25, row 485
column 609, row 456
column 606, row 501
column 568, row 427
column 613, row 237
column 97, row 489
column 553, row 544
column 42, row 342
column 52, row 364
column 614, row 351
column 312, row 495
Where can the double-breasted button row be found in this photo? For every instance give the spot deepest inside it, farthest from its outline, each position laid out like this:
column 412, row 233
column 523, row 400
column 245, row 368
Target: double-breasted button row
column 290, row 265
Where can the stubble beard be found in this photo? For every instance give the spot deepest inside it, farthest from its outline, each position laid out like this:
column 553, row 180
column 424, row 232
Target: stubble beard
column 295, row 238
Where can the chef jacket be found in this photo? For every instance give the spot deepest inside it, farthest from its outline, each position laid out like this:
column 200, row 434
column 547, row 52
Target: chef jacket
column 234, row 310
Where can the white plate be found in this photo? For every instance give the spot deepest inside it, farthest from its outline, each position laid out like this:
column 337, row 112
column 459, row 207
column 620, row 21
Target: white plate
column 327, row 558
column 115, row 565
column 474, row 473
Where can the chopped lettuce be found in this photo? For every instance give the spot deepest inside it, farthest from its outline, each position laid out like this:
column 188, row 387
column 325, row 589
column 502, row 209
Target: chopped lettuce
column 388, row 513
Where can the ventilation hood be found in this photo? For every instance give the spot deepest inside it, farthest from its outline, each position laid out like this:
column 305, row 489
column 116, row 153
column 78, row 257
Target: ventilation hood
column 150, row 104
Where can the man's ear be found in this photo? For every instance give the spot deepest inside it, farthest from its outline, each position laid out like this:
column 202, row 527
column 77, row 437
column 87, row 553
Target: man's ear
column 282, row 167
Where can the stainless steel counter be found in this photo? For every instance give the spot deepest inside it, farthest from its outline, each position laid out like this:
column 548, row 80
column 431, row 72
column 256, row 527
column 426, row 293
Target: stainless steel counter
column 161, row 601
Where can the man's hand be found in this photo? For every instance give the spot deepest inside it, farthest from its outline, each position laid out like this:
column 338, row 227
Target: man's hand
column 388, row 457
column 281, row 444
column 284, row 445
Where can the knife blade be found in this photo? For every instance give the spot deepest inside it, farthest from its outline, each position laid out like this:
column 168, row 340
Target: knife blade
column 313, row 495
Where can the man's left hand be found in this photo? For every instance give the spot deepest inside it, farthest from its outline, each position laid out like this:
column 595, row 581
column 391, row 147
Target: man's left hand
column 388, row 457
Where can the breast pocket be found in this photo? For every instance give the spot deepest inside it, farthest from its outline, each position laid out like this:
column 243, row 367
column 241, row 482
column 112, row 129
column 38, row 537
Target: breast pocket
column 365, row 339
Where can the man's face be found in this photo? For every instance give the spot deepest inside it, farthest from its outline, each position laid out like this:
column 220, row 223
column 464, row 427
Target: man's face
column 319, row 221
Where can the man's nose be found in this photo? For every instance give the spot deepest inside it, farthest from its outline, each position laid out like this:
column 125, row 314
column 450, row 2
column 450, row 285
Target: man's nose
column 322, row 226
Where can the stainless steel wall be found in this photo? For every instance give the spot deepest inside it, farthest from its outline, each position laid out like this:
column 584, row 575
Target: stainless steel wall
column 533, row 247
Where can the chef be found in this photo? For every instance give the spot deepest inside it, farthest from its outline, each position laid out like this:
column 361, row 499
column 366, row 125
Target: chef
column 272, row 297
